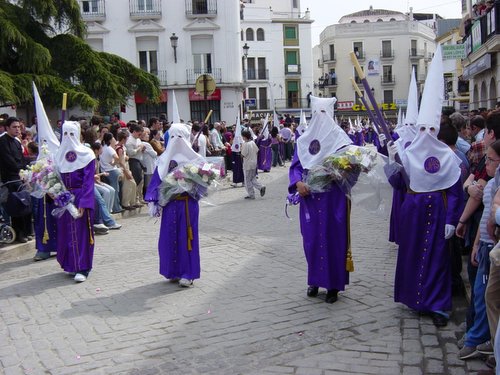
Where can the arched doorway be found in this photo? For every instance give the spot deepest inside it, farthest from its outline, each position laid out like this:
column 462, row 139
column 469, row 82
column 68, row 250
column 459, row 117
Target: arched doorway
column 493, row 93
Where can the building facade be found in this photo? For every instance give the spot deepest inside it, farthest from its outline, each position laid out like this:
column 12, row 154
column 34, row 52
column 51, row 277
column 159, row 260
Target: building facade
column 482, row 50
column 388, row 45
column 181, row 43
column 178, row 44
column 278, row 67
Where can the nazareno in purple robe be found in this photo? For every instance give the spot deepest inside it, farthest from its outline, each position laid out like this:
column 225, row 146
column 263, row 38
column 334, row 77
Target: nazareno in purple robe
column 423, row 270
column 75, row 238
column 237, row 167
column 324, row 225
column 265, row 155
column 44, row 223
column 176, row 259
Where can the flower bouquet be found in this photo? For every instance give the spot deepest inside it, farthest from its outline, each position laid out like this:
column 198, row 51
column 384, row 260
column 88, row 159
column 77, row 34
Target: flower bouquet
column 42, row 178
column 189, row 178
column 341, row 168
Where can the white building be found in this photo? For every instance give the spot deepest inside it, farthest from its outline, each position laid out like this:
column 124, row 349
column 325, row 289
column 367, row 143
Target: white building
column 278, row 68
column 482, row 50
column 388, row 44
column 206, row 36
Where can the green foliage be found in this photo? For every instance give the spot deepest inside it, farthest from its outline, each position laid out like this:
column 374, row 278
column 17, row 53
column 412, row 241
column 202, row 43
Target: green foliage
column 41, row 41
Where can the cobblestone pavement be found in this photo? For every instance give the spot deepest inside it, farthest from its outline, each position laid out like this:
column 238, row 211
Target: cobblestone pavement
column 248, row 314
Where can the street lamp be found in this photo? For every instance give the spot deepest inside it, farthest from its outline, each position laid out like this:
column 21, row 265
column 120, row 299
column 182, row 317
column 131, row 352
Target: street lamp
column 173, row 42
column 246, row 47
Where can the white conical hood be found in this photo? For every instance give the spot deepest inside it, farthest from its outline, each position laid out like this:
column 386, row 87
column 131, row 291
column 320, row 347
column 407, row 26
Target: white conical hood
column 322, row 138
column 399, row 124
column 72, row 154
column 302, row 125
column 265, row 128
column 432, row 98
column 430, row 164
column 178, row 152
column 412, row 106
column 323, row 104
column 45, row 133
column 238, row 139
column 276, row 120
column 176, row 118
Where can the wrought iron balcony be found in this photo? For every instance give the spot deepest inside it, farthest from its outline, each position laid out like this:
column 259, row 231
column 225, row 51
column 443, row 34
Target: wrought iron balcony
column 416, row 53
column 201, row 8
column 193, row 74
column 255, row 75
column 93, row 10
column 388, row 80
column 329, row 58
column 162, row 76
column 387, row 54
column 145, row 9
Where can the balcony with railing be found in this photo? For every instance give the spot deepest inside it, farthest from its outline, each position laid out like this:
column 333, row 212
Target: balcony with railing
column 193, row 74
column 292, row 69
column 162, row 76
column 256, row 75
column 387, row 80
column 416, row 54
column 92, row 10
column 387, row 54
column 329, row 58
column 201, row 8
column 145, row 9
column 324, row 82
column 484, row 31
column 263, row 104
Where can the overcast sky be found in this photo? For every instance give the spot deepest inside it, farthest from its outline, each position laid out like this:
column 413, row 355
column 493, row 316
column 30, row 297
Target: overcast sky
column 328, row 12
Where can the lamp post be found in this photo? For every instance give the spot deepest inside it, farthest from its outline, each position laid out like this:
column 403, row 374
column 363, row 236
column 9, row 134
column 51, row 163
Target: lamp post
column 246, row 47
column 173, row 42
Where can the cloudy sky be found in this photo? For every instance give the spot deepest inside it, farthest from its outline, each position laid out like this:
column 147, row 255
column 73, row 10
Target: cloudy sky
column 328, row 12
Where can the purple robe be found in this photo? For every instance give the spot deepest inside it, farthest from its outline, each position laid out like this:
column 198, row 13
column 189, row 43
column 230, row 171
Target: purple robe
column 398, row 197
column 75, row 239
column 237, row 167
column 176, row 259
column 423, row 270
column 358, row 139
column 265, row 155
column 324, row 225
column 44, row 220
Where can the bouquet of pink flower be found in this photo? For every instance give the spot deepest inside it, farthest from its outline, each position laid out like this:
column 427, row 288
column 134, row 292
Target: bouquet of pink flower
column 192, row 179
column 42, row 178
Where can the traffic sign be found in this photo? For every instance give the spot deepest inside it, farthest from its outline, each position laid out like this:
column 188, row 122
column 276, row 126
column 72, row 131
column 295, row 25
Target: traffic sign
column 251, row 102
column 205, row 85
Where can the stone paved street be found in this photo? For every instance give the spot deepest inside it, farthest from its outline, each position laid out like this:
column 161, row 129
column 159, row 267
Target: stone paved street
column 248, row 314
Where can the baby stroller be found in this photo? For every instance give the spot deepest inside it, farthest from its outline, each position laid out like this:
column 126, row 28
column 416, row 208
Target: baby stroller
column 7, row 233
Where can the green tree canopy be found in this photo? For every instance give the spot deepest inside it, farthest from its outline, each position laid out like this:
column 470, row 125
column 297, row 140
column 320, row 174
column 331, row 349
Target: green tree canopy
column 42, row 41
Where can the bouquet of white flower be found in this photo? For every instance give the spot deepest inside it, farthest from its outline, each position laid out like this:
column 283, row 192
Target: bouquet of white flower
column 42, row 178
column 191, row 179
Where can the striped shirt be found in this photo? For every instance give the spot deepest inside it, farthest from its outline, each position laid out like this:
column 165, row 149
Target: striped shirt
column 487, row 200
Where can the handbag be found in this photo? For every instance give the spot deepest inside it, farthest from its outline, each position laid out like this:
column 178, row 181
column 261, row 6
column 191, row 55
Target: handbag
column 18, row 203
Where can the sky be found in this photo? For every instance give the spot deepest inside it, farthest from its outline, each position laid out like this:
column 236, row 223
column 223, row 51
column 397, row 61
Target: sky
column 328, row 12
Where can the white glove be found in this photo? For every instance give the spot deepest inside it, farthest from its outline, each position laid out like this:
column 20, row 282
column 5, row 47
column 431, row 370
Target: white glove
column 392, row 150
column 383, row 139
column 449, row 231
column 154, row 209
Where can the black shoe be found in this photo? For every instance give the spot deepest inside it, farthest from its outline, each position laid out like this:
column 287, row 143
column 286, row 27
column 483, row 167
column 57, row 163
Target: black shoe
column 312, row 291
column 331, row 296
column 118, row 212
column 439, row 320
column 22, row 239
column 262, row 191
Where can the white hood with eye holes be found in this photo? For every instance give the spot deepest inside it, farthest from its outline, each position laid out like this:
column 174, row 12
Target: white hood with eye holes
column 72, row 154
column 178, row 151
column 430, row 164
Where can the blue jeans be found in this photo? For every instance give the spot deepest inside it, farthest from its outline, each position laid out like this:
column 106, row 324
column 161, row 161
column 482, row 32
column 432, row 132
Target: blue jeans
column 102, row 214
column 480, row 330
column 112, row 180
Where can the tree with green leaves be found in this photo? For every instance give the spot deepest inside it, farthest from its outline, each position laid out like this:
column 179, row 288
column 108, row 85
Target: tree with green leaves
column 42, row 41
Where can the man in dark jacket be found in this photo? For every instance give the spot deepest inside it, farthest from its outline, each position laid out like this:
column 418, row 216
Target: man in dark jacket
column 11, row 162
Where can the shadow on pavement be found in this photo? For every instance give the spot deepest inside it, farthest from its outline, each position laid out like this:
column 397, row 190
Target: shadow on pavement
column 126, row 303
